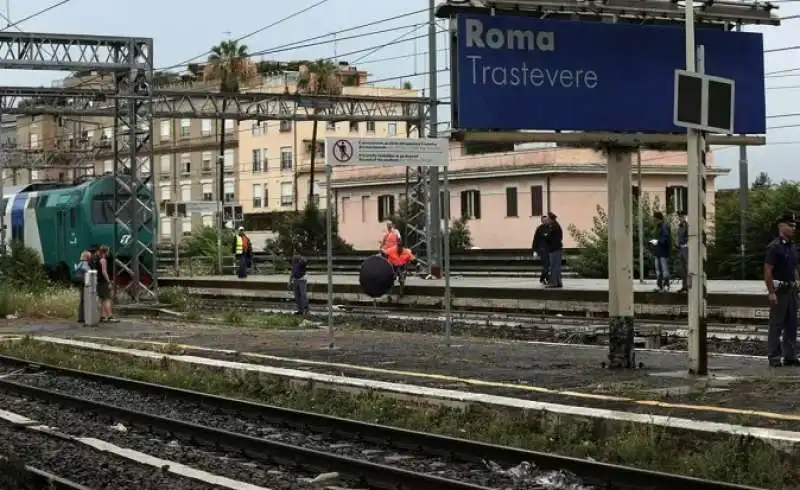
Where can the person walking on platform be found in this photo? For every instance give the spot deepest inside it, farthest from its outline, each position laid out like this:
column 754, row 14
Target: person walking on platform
column 661, row 248
column 299, row 283
column 683, row 250
column 540, row 237
column 242, row 250
column 555, row 249
column 781, row 279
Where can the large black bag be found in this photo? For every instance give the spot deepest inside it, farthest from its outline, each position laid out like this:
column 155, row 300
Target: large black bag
column 376, row 276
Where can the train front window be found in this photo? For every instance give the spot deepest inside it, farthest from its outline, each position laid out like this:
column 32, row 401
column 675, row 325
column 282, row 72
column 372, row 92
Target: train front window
column 104, row 212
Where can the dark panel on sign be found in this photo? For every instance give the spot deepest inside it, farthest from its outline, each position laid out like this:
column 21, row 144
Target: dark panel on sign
column 521, row 73
column 690, row 98
column 719, row 104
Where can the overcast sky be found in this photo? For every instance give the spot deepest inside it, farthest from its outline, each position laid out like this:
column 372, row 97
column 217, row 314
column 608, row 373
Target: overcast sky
column 184, row 29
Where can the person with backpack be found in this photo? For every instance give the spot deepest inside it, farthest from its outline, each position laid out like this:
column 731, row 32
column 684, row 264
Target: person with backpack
column 81, row 268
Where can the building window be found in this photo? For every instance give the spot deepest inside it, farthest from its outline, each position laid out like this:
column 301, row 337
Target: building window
column 257, row 160
column 208, row 220
column 186, row 191
column 166, row 225
column 107, row 134
column 208, row 191
column 286, row 158
column 511, row 202
column 186, row 125
column 165, row 129
column 287, row 194
column 330, row 126
column 537, row 204
column 285, row 126
column 471, row 204
column 166, row 195
column 353, row 127
column 371, row 127
column 186, row 163
column 205, row 127
column 229, row 188
column 391, row 129
column 34, row 176
column 108, row 166
column 385, row 207
column 206, row 163
column 166, row 165
column 677, row 198
column 34, row 141
column 364, row 200
column 229, row 125
column 316, row 193
column 257, row 191
column 186, row 224
column 258, row 128
column 266, row 196
column 228, row 160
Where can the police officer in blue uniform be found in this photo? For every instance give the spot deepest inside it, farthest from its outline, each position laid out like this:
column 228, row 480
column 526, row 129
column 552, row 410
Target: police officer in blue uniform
column 781, row 278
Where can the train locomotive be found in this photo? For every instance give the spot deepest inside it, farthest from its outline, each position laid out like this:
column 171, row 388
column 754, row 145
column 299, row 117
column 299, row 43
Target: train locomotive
column 60, row 220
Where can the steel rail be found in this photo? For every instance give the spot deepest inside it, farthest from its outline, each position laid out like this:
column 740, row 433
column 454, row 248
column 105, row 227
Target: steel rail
column 45, row 480
column 601, row 474
column 375, row 476
column 759, row 326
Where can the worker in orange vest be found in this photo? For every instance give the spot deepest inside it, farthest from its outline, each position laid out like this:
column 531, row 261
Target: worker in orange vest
column 242, row 251
column 390, row 239
column 400, row 257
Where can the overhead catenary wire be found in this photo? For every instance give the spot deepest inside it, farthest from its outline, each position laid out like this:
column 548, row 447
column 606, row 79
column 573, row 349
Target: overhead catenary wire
column 35, row 14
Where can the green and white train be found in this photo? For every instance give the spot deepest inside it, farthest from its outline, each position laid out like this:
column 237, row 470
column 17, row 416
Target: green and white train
column 61, row 220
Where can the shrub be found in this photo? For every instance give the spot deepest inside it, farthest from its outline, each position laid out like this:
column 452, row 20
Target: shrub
column 592, row 260
column 47, row 303
column 22, row 269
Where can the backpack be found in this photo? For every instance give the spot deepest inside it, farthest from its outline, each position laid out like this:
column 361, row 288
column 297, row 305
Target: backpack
column 80, row 275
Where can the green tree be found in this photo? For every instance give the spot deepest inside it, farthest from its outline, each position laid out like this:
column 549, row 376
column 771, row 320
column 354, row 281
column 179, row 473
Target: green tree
column 765, row 203
column 592, row 261
column 319, row 78
column 202, row 244
column 762, row 180
column 305, row 232
column 22, row 269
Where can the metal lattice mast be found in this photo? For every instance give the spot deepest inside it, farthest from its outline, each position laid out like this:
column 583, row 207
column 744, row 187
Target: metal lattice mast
column 133, row 172
column 417, row 190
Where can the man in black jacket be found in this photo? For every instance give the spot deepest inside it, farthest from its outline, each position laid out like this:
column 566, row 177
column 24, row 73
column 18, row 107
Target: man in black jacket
column 540, row 237
column 555, row 247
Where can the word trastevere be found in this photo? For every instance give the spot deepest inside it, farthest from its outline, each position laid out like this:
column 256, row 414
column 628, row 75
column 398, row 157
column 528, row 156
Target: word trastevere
column 520, row 73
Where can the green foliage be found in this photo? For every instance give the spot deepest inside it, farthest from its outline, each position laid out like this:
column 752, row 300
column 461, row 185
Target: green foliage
column 203, row 243
column 306, row 232
column 229, row 64
column 766, row 201
column 22, row 269
column 592, row 261
column 411, row 214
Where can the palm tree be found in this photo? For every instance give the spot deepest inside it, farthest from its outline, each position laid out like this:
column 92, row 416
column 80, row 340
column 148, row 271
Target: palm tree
column 318, row 78
column 230, row 66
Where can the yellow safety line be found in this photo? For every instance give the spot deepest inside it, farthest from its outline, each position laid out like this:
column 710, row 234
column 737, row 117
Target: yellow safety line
column 480, row 382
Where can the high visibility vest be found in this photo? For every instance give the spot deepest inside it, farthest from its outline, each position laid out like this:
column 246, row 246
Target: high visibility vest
column 239, row 244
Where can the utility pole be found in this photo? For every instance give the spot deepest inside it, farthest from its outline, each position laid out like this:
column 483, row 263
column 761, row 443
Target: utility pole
column 640, row 217
column 435, row 217
column 744, row 184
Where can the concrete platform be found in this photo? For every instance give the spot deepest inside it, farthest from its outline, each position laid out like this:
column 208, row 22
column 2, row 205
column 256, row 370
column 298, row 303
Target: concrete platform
column 728, row 301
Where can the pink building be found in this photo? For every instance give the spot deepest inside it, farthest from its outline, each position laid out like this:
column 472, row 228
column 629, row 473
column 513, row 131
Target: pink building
column 505, row 194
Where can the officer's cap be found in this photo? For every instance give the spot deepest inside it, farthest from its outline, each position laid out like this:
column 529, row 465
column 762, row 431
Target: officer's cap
column 787, row 217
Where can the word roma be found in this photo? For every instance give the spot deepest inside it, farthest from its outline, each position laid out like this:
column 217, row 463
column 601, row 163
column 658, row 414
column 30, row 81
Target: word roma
column 513, row 39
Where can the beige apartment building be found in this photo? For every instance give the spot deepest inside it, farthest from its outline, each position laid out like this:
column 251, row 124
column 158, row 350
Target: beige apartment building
column 275, row 157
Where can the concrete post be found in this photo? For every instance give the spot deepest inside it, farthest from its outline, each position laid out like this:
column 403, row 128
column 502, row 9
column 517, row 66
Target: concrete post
column 91, row 305
column 620, row 260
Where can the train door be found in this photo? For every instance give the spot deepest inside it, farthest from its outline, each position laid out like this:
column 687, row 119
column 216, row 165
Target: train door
column 61, row 240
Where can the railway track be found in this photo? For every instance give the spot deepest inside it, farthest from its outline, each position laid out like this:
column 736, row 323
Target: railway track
column 525, row 324
column 18, row 476
column 361, row 455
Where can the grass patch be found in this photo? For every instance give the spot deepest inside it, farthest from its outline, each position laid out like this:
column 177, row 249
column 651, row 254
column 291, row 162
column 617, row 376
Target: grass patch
column 734, row 459
column 59, row 303
column 180, row 300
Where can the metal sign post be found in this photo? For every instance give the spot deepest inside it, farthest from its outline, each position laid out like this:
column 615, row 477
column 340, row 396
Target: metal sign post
column 358, row 152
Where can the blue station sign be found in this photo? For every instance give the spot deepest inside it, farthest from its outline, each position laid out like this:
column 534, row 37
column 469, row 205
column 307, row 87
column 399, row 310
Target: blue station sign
column 524, row 73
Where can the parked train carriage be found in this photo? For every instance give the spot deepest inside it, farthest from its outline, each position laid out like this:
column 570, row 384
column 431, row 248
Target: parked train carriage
column 61, row 221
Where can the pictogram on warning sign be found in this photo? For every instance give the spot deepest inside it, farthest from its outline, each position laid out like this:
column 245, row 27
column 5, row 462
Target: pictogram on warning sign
column 342, row 151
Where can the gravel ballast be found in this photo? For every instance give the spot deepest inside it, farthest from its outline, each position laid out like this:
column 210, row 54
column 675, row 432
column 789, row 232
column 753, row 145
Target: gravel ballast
column 88, row 467
column 484, row 474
